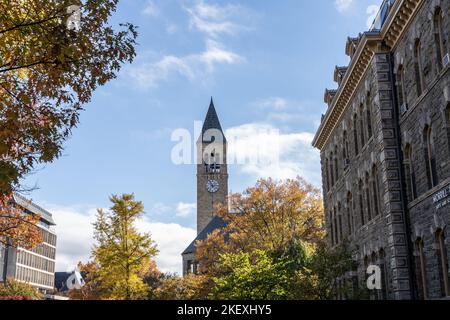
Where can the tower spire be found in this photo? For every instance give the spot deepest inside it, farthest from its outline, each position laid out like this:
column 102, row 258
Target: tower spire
column 212, row 120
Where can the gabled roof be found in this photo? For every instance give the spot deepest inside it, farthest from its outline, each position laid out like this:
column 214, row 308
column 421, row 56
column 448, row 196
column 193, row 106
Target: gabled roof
column 212, row 121
column 215, row 224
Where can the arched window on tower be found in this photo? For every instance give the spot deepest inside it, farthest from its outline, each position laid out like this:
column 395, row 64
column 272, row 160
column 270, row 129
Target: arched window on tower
column 368, row 200
column 355, row 133
column 430, row 157
column 213, row 165
column 443, row 261
column 401, row 91
column 422, row 267
column 418, row 67
column 439, row 37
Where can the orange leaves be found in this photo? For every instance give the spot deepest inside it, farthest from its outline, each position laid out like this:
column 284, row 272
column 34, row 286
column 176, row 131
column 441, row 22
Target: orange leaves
column 18, row 228
column 267, row 216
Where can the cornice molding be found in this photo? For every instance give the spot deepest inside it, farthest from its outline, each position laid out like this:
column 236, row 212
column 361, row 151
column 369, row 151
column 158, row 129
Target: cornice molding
column 402, row 13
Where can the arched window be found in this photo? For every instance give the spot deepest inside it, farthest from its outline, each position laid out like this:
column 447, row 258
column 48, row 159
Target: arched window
column 443, row 270
column 368, row 117
column 355, row 133
column 439, row 37
column 447, row 123
column 418, row 67
column 345, row 150
column 384, row 274
column 422, row 264
column 340, row 221
column 327, row 174
column 336, row 235
column 349, row 213
column 362, row 128
column 409, row 172
column 368, row 200
column 361, row 203
column 331, row 169
column 402, row 96
column 376, row 191
column 332, row 228
column 430, row 157
column 336, row 164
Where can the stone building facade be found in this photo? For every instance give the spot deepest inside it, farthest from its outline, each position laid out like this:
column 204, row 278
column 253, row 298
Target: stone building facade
column 385, row 152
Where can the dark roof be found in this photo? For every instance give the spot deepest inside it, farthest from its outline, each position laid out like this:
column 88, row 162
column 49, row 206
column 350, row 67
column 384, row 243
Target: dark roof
column 216, row 223
column 212, row 121
column 60, row 280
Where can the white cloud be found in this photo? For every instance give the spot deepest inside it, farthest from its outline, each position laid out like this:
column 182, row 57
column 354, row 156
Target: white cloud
column 75, row 238
column 192, row 67
column 185, row 209
column 343, row 5
column 150, row 9
column 270, row 153
column 215, row 20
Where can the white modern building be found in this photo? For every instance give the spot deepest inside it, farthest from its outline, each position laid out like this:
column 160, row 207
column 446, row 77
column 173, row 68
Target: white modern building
column 37, row 266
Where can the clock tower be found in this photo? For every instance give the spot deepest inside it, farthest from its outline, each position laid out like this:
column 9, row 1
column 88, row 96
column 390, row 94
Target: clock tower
column 212, row 173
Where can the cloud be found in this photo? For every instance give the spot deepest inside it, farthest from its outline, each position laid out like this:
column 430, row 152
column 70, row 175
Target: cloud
column 150, row 9
column 75, row 237
column 191, row 67
column 215, row 20
column 185, row 209
column 343, row 5
column 261, row 150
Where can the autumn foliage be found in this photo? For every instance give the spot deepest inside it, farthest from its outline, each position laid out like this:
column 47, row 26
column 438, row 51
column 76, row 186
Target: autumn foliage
column 48, row 71
column 17, row 228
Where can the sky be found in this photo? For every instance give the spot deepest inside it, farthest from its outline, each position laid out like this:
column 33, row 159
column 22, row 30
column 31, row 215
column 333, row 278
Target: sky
column 266, row 63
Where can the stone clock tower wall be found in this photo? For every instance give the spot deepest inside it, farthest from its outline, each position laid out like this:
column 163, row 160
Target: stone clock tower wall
column 211, row 166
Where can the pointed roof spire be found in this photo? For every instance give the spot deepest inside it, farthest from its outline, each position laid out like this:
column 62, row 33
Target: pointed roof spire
column 212, row 120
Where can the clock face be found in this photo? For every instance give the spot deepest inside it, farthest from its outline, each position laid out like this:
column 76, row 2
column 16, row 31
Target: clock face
column 212, row 186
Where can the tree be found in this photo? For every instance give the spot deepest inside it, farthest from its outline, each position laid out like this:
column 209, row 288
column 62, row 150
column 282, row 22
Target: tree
column 48, row 71
column 268, row 216
column 15, row 290
column 251, row 276
column 191, row 287
column 122, row 253
column 18, row 228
